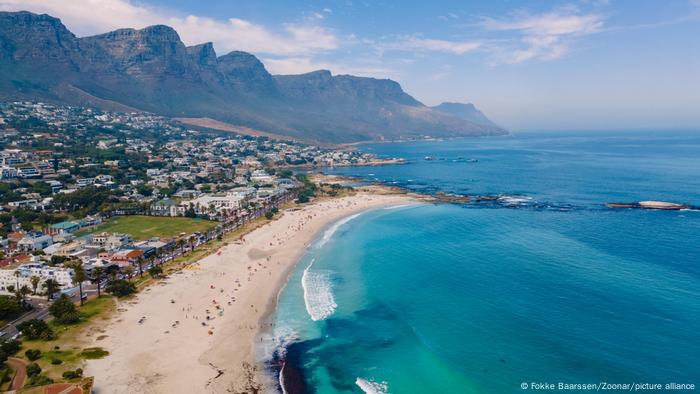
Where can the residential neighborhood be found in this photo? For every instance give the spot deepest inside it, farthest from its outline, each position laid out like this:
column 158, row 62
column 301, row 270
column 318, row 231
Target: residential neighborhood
column 115, row 194
column 67, row 169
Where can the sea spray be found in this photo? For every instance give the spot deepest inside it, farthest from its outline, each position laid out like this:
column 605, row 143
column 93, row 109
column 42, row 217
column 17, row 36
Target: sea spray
column 372, row 387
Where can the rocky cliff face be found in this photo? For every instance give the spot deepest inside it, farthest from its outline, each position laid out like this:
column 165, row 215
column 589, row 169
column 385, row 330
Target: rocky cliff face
column 151, row 69
column 30, row 38
column 245, row 72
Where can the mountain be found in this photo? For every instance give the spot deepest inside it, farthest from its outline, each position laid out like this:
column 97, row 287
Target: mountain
column 152, row 70
column 465, row 111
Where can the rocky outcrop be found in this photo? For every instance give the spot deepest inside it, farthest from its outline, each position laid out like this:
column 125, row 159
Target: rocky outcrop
column 661, row 205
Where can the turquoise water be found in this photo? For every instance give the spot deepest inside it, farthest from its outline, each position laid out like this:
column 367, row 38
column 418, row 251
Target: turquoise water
column 480, row 298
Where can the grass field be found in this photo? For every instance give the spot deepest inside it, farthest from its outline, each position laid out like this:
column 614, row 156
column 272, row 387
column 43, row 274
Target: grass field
column 145, row 227
column 75, row 342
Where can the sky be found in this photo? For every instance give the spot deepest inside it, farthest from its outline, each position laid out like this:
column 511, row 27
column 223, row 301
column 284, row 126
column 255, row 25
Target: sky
column 529, row 65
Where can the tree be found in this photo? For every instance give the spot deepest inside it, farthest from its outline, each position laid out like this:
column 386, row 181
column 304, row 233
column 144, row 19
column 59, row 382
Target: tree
column 98, row 273
column 129, row 271
column 36, row 329
column 79, row 277
column 52, row 287
column 9, row 307
column 121, row 288
column 33, row 369
column 35, row 283
column 155, row 271
column 23, row 292
column 56, row 259
column 191, row 242
column 269, row 215
column 64, row 311
column 8, row 348
column 139, row 262
column 33, row 354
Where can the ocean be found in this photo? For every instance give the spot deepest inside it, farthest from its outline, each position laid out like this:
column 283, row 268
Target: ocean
column 543, row 286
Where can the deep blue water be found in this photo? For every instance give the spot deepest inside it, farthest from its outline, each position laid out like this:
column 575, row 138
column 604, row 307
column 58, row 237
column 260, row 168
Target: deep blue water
column 480, row 298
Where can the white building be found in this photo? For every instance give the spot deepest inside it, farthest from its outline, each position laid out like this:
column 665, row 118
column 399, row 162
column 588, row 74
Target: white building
column 260, row 176
column 64, row 276
column 34, row 241
column 111, row 241
column 8, row 172
column 204, row 204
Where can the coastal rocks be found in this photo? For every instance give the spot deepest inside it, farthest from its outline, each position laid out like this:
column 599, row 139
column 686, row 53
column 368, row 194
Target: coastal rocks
column 452, row 198
column 657, row 205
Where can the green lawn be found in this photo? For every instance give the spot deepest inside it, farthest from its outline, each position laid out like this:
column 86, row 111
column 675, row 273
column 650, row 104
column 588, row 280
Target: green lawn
column 145, row 227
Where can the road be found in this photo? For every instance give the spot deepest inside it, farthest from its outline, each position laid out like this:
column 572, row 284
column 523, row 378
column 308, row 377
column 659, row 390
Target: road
column 40, row 311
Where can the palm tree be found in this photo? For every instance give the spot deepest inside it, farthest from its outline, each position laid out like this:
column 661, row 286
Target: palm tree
column 129, row 270
column 35, row 283
column 11, row 289
column 51, row 286
column 79, row 277
column 17, row 275
column 191, row 242
column 139, row 262
column 98, row 273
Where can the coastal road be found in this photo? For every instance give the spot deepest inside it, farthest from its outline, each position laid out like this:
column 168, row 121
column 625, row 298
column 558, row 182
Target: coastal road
column 41, row 310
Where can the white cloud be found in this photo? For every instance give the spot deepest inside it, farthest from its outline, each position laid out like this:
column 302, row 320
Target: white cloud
column 417, row 43
column 87, row 17
column 544, row 36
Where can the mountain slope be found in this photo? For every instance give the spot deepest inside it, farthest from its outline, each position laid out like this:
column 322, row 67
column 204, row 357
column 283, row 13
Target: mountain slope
column 465, row 111
column 152, row 70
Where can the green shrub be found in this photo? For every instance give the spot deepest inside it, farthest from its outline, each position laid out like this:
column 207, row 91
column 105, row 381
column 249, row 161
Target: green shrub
column 156, row 271
column 33, row 369
column 78, row 373
column 121, row 288
column 38, row 380
column 33, row 354
column 56, row 361
column 93, row 353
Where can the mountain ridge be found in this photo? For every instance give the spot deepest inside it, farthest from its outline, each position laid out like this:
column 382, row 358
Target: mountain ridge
column 151, row 69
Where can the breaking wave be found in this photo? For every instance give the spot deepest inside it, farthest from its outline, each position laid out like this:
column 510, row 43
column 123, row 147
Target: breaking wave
column 318, row 294
column 372, row 387
column 332, row 229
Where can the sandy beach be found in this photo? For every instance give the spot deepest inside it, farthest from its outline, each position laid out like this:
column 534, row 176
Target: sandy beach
column 199, row 327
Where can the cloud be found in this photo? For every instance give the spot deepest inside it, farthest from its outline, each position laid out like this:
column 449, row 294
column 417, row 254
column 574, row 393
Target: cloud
column 417, row 43
column 87, row 17
column 545, row 36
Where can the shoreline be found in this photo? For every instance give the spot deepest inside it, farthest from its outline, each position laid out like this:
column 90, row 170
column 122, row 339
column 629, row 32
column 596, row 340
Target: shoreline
column 203, row 324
